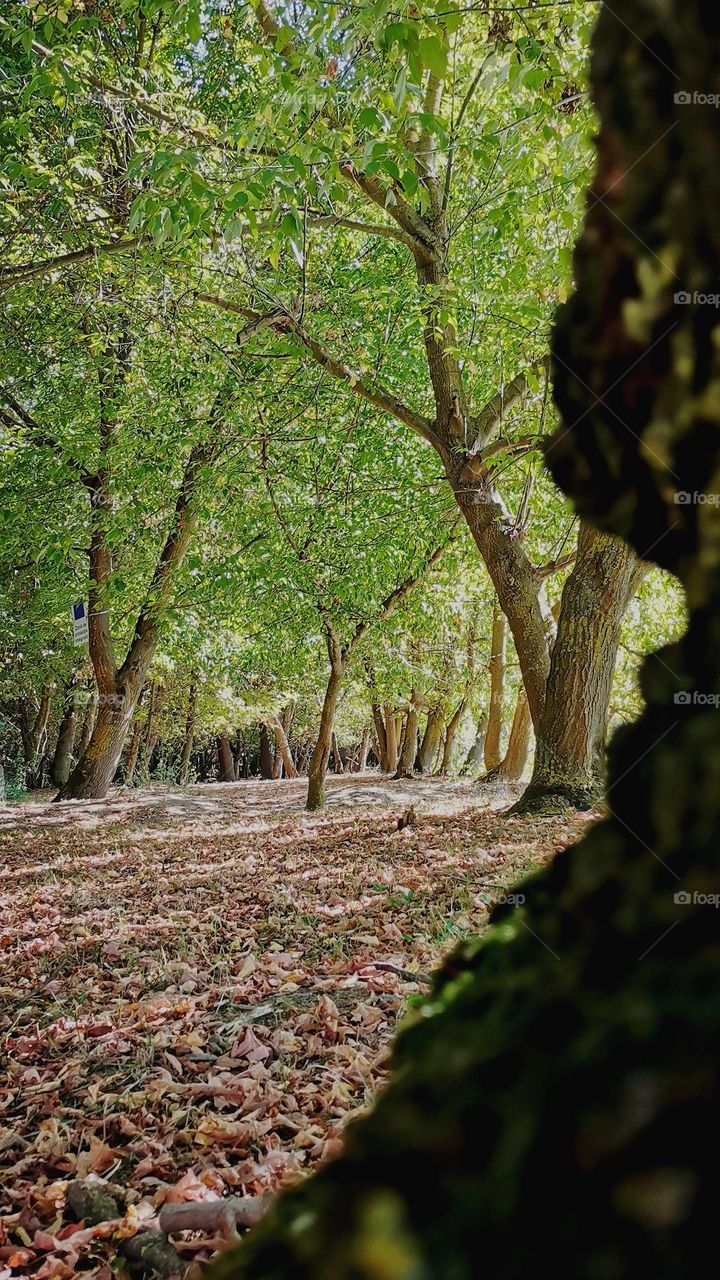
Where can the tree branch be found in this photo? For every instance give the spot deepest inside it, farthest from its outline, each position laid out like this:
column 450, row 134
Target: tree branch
column 29, row 270
column 400, row 593
column 24, row 420
column 359, row 384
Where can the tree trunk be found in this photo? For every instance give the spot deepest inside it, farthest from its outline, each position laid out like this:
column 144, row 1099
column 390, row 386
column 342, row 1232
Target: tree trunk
column 406, row 764
column 363, row 751
column 496, row 666
column 450, row 736
column 33, row 727
column 337, row 760
column 381, row 736
column 62, row 758
column 88, row 723
column 95, row 769
column 187, row 746
column 513, row 765
column 321, row 754
column 391, row 739
column 266, row 753
column 431, row 741
column 282, row 749
column 475, row 756
column 134, row 749
column 226, row 763
column 561, row 1092
column 569, row 757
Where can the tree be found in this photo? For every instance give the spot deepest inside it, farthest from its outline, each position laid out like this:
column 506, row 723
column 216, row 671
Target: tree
column 594, row 1143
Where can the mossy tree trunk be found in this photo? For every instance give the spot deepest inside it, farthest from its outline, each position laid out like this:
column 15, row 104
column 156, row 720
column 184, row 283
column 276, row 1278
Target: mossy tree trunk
column 558, row 1099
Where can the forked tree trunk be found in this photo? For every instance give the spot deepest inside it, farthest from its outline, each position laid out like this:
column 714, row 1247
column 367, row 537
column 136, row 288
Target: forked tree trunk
column 96, row 768
column 321, row 753
column 62, row 758
column 282, row 749
column 496, row 666
column 337, row 760
column 569, row 757
column 431, row 741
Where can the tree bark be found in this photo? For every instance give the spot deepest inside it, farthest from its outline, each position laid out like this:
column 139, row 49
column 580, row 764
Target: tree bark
column 598, row 1142
column 363, row 750
column 321, row 754
column 226, row 763
column 569, row 757
column 62, row 758
column 33, row 727
column 391, row 739
column 475, row 756
column 406, row 763
column 496, row 666
column 266, row 754
column 282, row 749
column 187, row 746
column 88, row 721
column 512, row 767
column 95, row 769
column 450, row 736
column 430, row 744
column 134, row 748
column 381, row 737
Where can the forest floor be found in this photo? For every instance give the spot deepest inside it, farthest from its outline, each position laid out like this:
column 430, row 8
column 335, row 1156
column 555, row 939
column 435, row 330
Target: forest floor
column 191, row 997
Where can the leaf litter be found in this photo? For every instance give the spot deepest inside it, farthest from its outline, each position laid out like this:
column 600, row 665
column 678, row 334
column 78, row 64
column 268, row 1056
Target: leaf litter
column 198, row 989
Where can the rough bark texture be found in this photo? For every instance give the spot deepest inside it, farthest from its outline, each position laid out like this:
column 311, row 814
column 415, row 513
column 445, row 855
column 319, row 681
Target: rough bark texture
column 558, row 1100
column 570, row 754
column 95, row 769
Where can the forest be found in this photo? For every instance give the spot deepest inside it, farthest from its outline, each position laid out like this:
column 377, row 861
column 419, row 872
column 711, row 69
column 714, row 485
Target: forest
column 359, row 513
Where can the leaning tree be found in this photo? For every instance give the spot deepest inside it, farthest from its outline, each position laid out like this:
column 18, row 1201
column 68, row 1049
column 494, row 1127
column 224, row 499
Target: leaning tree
column 557, row 1097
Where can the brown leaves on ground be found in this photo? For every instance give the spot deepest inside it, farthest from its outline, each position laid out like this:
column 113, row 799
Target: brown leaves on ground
column 188, row 999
